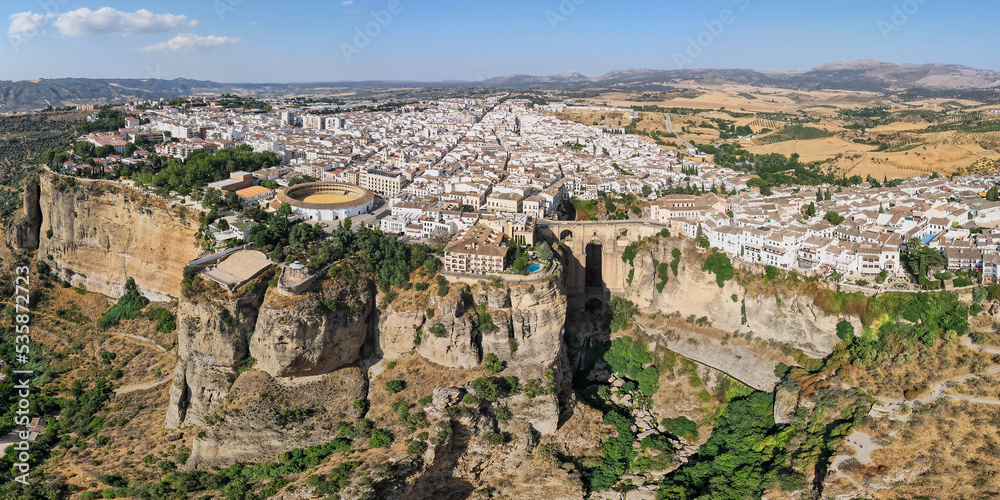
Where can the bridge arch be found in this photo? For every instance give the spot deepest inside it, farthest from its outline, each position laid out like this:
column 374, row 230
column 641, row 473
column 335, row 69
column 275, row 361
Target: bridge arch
column 594, row 264
column 594, row 267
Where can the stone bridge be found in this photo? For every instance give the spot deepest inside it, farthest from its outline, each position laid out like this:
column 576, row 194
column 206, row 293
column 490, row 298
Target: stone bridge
column 594, row 268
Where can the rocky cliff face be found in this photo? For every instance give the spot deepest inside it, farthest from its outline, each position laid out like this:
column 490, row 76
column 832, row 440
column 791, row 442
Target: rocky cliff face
column 532, row 315
column 302, row 336
column 286, row 337
column 529, row 320
column 26, row 229
column 795, row 320
column 249, row 428
column 212, row 331
column 102, row 234
column 316, row 339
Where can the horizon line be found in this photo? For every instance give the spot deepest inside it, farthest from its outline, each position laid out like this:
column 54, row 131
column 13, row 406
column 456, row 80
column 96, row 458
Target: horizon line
column 460, row 81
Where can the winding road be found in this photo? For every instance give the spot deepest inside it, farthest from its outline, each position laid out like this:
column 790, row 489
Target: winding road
column 670, row 128
column 967, row 340
column 938, row 391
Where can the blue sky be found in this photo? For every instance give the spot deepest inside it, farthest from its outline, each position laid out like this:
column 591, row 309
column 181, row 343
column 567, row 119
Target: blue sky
column 311, row 41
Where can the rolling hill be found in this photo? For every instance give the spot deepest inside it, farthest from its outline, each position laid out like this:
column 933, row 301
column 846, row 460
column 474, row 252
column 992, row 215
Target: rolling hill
column 929, row 80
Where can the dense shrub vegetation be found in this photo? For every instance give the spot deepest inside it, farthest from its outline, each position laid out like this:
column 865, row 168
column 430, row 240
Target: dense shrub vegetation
column 719, row 264
column 623, row 311
column 128, row 307
column 201, row 168
column 618, row 453
column 734, row 463
column 628, row 358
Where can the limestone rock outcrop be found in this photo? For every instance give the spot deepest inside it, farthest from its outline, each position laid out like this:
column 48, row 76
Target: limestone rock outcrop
column 794, row 320
column 25, row 231
column 252, row 431
column 302, row 336
column 212, row 332
column 529, row 325
column 532, row 315
column 460, row 345
column 103, row 233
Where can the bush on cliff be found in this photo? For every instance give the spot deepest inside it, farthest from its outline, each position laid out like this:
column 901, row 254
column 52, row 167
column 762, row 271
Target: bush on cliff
column 128, row 307
column 623, row 311
column 681, row 427
column 735, row 462
column 164, row 320
column 627, row 358
column 394, row 386
column 719, row 264
column 492, row 364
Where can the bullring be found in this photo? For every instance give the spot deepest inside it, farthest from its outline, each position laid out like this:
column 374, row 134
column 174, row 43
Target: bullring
column 328, row 200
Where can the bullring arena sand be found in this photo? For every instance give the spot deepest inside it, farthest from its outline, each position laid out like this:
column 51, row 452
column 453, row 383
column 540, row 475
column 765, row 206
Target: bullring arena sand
column 328, row 198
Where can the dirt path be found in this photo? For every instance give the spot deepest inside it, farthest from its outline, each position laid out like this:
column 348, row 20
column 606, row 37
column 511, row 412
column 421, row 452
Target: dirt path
column 968, row 343
column 973, row 399
column 140, row 338
column 142, row 387
column 938, row 391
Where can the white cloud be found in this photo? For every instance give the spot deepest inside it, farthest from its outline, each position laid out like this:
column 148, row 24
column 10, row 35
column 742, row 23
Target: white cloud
column 347, row 2
column 25, row 22
column 83, row 22
column 193, row 23
column 190, row 41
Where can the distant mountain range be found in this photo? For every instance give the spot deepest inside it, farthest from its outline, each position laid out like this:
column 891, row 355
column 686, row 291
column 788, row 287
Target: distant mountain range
column 864, row 75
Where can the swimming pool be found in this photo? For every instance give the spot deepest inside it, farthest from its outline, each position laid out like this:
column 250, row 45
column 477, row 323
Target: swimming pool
column 534, row 268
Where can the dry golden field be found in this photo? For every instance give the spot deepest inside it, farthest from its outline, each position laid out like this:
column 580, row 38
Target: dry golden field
column 747, row 98
column 908, row 148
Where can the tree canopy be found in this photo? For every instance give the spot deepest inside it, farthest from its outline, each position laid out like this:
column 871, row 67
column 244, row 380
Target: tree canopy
column 202, row 168
column 834, row 218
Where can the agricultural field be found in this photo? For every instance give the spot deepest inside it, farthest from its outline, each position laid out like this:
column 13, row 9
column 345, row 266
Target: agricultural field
column 609, row 119
column 745, row 98
column 850, row 133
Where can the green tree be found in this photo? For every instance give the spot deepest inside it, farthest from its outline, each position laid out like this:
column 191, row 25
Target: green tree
column 734, row 463
column 486, row 388
column 810, row 210
column 380, row 438
column 681, row 427
column 719, row 264
column 833, row 218
column 770, row 273
column 544, row 252
column 492, row 364
column 394, row 386
column 919, row 258
column 845, row 330
column 302, row 234
column 622, row 313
